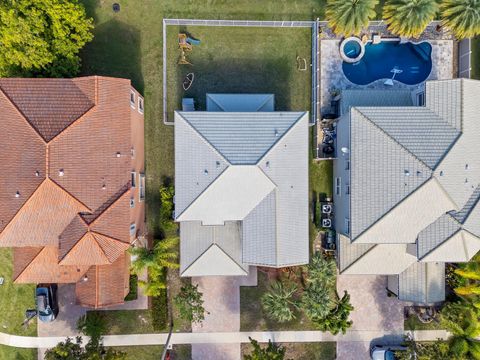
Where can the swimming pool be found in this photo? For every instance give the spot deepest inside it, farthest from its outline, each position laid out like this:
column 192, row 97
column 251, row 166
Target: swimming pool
column 409, row 63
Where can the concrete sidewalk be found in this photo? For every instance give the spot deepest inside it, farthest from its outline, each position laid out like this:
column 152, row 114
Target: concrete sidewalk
column 222, row 338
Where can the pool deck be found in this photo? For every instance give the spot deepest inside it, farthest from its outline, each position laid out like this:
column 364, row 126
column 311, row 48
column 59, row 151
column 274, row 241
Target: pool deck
column 332, row 77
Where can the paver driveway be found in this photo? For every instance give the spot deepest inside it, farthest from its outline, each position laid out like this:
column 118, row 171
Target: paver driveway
column 374, row 310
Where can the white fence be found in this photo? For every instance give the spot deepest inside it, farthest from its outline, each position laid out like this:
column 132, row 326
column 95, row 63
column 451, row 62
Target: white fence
column 465, row 58
column 315, row 104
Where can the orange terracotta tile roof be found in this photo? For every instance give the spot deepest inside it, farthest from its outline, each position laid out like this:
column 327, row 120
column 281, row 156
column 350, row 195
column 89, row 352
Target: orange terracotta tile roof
column 65, row 192
column 105, row 284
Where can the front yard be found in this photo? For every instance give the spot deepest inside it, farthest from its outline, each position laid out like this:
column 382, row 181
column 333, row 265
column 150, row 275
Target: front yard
column 304, row 351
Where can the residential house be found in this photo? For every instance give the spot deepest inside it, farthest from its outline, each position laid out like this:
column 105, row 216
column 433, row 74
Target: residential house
column 72, row 186
column 241, row 186
column 406, row 186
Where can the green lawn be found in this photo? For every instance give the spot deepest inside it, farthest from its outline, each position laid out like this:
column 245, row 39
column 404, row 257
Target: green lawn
column 13, row 353
column 304, row 351
column 412, row 323
column 14, row 300
column 154, row 352
column 241, row 60
column 475, row 56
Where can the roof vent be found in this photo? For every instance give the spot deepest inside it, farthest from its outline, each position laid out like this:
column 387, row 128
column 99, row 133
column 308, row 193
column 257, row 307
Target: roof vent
column 37, row 173
column 118, row 154
column 406, row 172
column 267, row 164
column 217, row 163
column 466, row 166
column 466, row 180
column 419, row 173
column 276, row 132
column 104, row 186
column 61, row 172
column 441, row 172
column 205, row 172
column 17, row 194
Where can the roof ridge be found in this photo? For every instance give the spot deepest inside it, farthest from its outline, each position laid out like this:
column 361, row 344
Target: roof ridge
column 267, row 97
column 198, row 257
column 68, row 193
column 438, row 245
column 292, row 126
column 361, row 256
column 109, row 206
column 211, row 98
column 203, row 137
column 222, row 250
column 80, row 118
column 22, row 115
column 30, row 262
column 357, row 109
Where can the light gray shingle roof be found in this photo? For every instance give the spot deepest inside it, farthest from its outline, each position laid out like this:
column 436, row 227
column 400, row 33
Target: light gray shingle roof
column 349, row 252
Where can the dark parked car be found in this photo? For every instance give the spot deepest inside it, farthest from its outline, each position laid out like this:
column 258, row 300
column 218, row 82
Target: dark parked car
column 46, row 302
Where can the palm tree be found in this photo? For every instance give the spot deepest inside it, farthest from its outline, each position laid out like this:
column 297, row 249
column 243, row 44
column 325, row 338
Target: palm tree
column 163, row 256
column 279, row 303
column 317, row 301
column 337, row 320
column 409, row 17
column 322, row 270
column 463, row 323
column 462, row 17
column 349, row 17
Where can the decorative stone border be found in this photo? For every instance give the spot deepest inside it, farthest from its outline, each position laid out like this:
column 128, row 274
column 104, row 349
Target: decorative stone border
column 342, row 49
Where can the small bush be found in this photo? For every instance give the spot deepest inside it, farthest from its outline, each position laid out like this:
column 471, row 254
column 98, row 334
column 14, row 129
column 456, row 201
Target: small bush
column 93, row 324
column 133, row 293
column 159, row 311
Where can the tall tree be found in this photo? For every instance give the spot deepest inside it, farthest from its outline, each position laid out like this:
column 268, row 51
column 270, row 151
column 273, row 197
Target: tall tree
column 409, row 17
column 42, row 37
column 278, row 303
column 163, row 255
column 462, row 17
column 322, row 269
column 349, row 17
column 317, row 301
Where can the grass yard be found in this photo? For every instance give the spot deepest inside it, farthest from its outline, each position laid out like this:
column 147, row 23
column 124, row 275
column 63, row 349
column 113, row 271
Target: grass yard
column 412, row 323
column 154, row 352
column 241, row 60
column 13, row 353
column 475, row 56
column 304, row 351
column 14, row 300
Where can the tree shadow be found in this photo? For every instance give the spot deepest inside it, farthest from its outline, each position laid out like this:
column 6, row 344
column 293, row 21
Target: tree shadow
column 114, row 51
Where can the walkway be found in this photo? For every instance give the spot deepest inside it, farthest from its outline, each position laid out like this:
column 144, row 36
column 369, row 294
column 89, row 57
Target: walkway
column 220, row 338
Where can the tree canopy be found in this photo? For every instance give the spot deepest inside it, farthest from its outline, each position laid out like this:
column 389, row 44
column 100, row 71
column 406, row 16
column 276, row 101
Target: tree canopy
column 349, row 17
column 409, row 17
column 462, row 17
column 42, row 37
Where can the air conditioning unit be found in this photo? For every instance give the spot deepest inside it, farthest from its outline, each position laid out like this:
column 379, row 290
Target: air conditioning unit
column 326, row 223
column 327, row 209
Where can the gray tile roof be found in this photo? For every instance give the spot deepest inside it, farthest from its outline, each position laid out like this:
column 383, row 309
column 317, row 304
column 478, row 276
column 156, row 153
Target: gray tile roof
column 419, row 130
column 242, row 138
column 374, row 98
column 435, row 234
column 211, row 145
column 240, row 102
column 197, row 156
column 260, row 234
column 197, row 239
column 422, row 283
column 349, row 252
column 382, row 173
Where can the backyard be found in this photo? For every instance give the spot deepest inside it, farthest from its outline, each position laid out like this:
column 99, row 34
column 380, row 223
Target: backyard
column 241, row 60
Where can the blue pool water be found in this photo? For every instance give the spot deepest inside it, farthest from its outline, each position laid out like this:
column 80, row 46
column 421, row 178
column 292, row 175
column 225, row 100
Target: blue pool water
column 414, row 60
column 352, row 49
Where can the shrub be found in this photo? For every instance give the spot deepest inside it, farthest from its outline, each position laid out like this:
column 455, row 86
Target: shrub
column 133, row 286
column 92, row 324
column 271, row 352
column 462, row 17
column 42, row 37
column 322, row 270
column 159, row 311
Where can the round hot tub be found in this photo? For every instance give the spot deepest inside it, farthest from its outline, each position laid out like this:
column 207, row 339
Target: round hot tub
column 352, row 49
